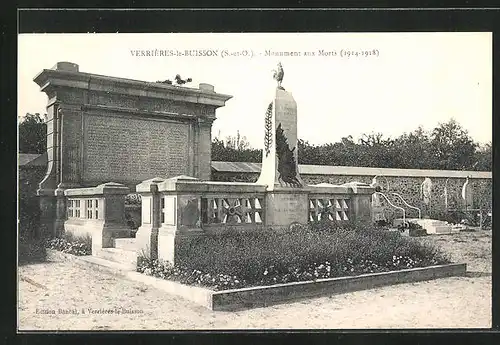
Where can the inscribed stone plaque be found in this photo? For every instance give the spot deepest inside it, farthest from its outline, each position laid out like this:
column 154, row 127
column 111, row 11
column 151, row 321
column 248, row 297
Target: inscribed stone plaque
column 286, row 208
column 146, row 210
column 289, row 204
column 131, row 150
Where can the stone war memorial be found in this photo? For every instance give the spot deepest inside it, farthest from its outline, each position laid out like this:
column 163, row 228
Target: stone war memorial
column 108, row 137
column 111, row 140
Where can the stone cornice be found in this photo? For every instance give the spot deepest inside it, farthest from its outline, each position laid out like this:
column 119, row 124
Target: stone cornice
column 156, row 114
column 49, row 78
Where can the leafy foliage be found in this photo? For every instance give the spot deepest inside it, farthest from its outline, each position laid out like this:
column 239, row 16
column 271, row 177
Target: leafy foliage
column 234, row 149
column 448, row 146
column 32, row 134
column 452, row 146
column 71, row 244
column 31, row 250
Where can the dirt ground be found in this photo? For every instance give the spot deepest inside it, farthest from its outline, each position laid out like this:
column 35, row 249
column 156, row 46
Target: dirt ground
column 443, row 303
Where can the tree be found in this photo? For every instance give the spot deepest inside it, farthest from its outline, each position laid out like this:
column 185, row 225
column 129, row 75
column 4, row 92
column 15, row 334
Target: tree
column 33, row 134
column 235, row 149
column 453, row 147
column 237, row 142
column 448, row 146
column 414, row 150
column 483, row 157
column 375, row 150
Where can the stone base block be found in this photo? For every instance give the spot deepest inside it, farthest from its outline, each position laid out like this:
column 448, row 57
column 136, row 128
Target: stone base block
column 146, row 240
column 286, row 207
column 171, row 244
column 102, row 235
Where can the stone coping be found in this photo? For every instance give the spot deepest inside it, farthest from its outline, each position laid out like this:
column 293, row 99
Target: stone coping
column 340, row 189
column 108, row 84
column 102, row 189
column 245, row 167
column 184, row 183
column 262, row 296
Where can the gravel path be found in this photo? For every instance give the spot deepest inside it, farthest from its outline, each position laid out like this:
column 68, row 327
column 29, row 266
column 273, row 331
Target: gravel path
column 443, row 303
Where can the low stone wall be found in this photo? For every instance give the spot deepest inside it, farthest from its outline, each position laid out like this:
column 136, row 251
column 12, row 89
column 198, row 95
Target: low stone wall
column 177, row 209
column 406, row 182
column 98, row 212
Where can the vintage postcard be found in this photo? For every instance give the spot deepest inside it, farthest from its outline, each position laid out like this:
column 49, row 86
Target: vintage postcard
column 244, row 181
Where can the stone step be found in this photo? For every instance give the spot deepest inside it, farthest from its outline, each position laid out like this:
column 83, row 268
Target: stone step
column 431, row 222
column 440, row 229
column 125, row 243
column 124, row 257
column 432, row 226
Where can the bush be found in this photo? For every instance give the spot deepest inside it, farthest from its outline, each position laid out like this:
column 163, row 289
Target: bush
column 31, row 250
column 71, row 244
column 320, row 250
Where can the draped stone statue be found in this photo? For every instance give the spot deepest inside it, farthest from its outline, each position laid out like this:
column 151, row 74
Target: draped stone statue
column 426, row 191
column 468, row 194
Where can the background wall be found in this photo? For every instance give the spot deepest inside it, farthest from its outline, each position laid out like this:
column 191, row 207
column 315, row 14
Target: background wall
column 406, row 182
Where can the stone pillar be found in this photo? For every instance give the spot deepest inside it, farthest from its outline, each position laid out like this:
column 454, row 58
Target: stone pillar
column 47, row 203
column 60, row 214
column 280, row 157
column 181, row 220
column 361, row 208
column 147, row 234
column 204, row 148
column 361, row 202
column 48, row 185
column 171, row 216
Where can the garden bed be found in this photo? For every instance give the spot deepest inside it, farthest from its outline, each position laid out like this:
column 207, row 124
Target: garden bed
column 70, row 244
column 236, row 260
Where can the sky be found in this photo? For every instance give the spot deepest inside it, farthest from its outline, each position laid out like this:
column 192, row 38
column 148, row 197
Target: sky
column 397, row 81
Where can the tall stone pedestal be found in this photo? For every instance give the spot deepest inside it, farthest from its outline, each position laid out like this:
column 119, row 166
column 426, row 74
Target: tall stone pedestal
column 280, row 167
column 286, row 199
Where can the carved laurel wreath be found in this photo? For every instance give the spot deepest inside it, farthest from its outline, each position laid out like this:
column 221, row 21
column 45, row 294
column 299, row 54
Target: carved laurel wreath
column 268, row 136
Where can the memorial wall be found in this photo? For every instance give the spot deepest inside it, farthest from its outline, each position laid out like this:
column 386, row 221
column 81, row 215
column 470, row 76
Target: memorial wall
column 106, row 129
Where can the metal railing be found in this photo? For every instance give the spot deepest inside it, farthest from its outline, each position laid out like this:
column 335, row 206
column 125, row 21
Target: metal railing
column 408, row 205
column 391, row 204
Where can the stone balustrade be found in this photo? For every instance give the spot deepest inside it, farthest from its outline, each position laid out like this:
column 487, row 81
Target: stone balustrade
column 98, row 212
column 178, row 209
